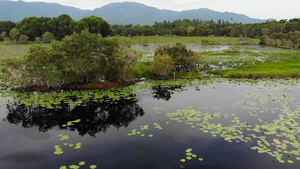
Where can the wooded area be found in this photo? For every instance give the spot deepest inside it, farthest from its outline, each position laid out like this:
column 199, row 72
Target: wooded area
column 283, row 33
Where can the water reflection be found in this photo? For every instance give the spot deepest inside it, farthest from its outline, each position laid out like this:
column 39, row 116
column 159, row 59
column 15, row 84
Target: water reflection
column 95, row 117
column 165, row 93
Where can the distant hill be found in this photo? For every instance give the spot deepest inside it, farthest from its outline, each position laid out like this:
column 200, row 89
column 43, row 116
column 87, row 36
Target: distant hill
column 18, row 10
column 132, row 13
column 115, row 13
column 136, row 13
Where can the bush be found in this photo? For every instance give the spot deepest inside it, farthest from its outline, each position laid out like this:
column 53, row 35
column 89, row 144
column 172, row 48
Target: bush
column 162, row 65
column 38, row 39
column 48, row 37
column 14, row 35
column 23, row 39
column 183, row 58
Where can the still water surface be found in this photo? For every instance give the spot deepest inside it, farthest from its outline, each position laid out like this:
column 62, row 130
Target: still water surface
column 178, row 117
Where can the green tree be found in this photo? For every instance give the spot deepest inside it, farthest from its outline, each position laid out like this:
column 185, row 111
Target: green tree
column 78, row 58
column 23, row 39
column 30, row 27
column 118, row 59
column 190, row 29
column 183, row 58
column 48, row 37
column 94, row 25
column 6, row 26
column 61, row 26
column 162, row 65
column 14, row 35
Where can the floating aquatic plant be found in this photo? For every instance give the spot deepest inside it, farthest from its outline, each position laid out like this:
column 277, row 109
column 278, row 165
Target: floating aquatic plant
column 82, row 163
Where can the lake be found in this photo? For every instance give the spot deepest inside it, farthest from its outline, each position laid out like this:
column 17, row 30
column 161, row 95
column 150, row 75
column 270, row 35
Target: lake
column 209, row 123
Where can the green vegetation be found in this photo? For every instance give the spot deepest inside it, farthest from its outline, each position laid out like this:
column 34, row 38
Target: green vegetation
column 246, row 56
column 274, row 69
column 59, row 27
column 206, row 40
column 84, row 56
column 162, row 65
column 184, row 59
column 283, row 33
column 79, row 58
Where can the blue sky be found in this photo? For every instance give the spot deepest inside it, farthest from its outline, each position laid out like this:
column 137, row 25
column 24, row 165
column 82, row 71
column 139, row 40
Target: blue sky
column 263, row 9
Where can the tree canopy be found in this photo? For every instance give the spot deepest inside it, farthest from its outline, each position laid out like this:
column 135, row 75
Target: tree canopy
column 78, row 58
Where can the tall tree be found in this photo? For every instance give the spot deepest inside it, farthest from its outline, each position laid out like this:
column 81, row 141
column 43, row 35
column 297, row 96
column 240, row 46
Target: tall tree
column 61, row 26
column 95, row 25
column 6, row 26
column 30, row 27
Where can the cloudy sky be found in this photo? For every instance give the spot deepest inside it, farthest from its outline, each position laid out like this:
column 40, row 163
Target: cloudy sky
column 263, row 9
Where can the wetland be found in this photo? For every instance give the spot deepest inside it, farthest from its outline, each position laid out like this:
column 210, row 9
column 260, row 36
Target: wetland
column 207, row 123
column 201, row 123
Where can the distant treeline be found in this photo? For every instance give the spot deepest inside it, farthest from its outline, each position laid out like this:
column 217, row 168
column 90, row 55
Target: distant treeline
column 60, row 26
column 283, row 33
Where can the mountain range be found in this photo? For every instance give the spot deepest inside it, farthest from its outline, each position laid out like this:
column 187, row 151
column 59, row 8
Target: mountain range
column 115, row 13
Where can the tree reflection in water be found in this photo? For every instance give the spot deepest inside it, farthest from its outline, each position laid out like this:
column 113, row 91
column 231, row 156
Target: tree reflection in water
column 95, row 117
column 165, row 93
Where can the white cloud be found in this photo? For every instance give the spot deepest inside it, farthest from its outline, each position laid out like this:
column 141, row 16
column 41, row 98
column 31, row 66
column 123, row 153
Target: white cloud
column 263, row 9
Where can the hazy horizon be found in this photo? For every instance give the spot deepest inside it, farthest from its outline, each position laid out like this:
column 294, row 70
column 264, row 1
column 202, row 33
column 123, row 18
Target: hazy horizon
column 262, row 9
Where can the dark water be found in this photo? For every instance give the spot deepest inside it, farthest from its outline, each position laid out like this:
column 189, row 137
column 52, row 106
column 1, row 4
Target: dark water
column 29, row 133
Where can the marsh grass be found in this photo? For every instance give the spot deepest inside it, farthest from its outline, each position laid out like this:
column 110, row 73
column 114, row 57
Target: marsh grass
column 187, row 39
column 289, row 68
column 248, row 56
column 143, row 70
column 15, row 50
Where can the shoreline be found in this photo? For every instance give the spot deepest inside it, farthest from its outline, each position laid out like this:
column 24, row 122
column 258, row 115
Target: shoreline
column 105, row 85
column 83, row 86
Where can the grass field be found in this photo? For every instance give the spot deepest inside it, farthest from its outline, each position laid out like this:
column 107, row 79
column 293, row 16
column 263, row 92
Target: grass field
column 248, row 55
column 21, row 49
column 15, row 50
column 189, row 39
column 289, row 68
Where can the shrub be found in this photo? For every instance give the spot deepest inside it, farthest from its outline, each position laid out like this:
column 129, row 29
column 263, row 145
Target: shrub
column 23, row 39
column 14, row 35
column 162, row 65
column 183, row 58
column 38, row 39
column 48, row 37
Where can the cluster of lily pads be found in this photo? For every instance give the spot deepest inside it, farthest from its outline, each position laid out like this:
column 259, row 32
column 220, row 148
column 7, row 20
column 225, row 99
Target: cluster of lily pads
column 277, row 137
column 53, row 99
column 82, row 163
column 59, row 150
column 143, row 129
column 189, row 156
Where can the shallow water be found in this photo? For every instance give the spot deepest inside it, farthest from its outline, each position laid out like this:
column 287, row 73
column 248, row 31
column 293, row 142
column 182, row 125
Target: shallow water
column 148, row 51
column 174, row 117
